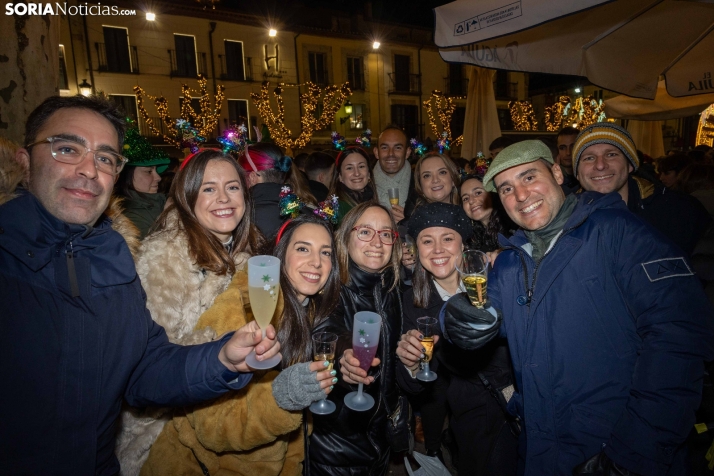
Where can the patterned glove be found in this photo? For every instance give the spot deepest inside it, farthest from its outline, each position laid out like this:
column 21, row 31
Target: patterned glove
column 297, row 387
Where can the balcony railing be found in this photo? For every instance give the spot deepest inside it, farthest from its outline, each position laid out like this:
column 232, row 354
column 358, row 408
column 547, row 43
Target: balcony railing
column 112, row 65
column 145, row 131
column 321, row 78
column 229, row 76
column 401, row 83
column 456, row 86
column 186, row 70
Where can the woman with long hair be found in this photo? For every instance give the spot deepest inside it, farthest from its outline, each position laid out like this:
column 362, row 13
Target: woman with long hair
column 268, row 169
column 258, row 430
column 348, row 442
column 201, row 239
column 477, row 421
column 487, row 214
column 353, row 181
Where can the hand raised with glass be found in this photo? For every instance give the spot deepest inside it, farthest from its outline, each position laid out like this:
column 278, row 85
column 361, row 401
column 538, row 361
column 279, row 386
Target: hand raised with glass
column 242, row 343
column 351, row 371
column 410, row 349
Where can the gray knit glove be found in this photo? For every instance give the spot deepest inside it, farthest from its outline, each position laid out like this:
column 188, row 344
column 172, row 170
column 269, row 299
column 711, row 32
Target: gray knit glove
column 297, row 387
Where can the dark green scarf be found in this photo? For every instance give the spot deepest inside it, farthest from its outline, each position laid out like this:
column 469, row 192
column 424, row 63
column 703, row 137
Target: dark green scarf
column 540, row 239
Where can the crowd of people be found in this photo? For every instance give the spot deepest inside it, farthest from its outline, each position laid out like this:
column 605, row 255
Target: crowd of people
column 127, row 319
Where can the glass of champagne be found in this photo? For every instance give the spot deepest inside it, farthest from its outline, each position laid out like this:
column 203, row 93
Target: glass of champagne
column 263, row 290
column 323, row 350
column 365, row 341
column 426, row 326
column 474, row 274
column 393, row 196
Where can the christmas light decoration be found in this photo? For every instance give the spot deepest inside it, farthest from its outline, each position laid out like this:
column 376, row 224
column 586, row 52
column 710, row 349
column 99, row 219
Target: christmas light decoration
column 555, row 114
column 332, row 98
column 523, row 116
column 206, row 120
column 705, row 131
column 444, row 107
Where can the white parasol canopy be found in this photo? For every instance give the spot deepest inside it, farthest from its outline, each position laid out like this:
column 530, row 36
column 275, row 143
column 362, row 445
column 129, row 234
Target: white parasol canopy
column 662, row 108
column 623, row 45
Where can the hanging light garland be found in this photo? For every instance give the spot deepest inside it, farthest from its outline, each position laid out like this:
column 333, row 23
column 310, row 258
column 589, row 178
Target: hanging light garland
column 444, row 107
column 555, row 114
column 333, row 97
column 205, row 121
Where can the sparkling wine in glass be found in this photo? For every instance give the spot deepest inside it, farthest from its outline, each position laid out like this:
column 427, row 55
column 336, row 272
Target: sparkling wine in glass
column 426, row 326
column 365, row 341
column 323, row 349
column 474, row 274
column 263, row 290
column 393, row 196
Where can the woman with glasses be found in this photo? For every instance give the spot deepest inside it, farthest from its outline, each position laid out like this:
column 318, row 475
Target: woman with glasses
column 479, row 425
column 258, row 429
column 347, row 442
column 201, row 240
column 352, row 183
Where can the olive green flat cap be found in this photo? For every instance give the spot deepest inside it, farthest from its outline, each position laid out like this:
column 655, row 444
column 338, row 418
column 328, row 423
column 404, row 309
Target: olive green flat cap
column 519, row 153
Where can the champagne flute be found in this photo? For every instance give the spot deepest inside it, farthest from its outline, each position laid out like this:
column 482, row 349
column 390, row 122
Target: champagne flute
column 323, row 349
column 474, row 274
column 426, row 326
column 393, row 196
column 263, row 290
column 365, row 340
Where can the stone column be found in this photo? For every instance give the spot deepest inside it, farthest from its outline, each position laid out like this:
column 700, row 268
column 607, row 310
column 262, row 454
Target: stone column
column 29, row 68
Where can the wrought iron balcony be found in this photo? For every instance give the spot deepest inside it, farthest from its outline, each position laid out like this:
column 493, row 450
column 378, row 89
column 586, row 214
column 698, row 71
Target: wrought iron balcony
column 232, row 75
column 401, row 83
column 115, row 64
column 185, row 68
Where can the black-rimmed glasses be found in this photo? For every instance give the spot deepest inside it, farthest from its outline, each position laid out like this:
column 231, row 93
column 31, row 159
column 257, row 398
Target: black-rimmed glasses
column 366, row 233
column 71, row 152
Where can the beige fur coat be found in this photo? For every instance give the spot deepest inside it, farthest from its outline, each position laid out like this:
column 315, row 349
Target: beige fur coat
column 177, row 293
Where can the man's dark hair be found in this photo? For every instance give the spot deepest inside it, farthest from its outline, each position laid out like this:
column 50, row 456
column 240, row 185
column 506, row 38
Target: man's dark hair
column 318, row 162
column 300, row 160
column 501, row 143
column 52, row 104
column 676, row 163
column 568, row 131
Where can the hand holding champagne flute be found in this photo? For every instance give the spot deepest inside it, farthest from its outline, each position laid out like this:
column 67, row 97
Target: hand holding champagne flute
column 426, row 326
column 263, row 289
column 323, row 349
column 365, row 341
column 474, row 274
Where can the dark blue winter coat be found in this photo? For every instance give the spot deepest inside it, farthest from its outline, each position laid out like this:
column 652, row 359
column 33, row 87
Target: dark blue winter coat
column 70, row 350
column 609, row 352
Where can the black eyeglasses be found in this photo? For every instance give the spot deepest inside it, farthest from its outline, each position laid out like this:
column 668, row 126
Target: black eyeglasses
column 71, row 152
column 366, row 233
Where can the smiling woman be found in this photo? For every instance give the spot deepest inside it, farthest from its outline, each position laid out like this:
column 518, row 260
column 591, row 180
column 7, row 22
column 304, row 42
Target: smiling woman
column 352, row 182
column 202, row 238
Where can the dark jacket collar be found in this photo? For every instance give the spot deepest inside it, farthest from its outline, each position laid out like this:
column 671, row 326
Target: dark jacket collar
column 365, row 282
column 34, row 236
column 588, row 202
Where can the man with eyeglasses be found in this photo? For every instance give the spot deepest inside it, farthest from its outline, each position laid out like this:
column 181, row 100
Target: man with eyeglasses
column 76, row 335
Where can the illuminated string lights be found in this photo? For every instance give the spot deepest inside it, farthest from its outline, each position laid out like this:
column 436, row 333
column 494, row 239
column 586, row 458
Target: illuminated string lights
column 583, row 113
column 555, row 114
column 332, row 99
column 205, row 121
column 705, row 131
column 443, row 107
column 523, row 116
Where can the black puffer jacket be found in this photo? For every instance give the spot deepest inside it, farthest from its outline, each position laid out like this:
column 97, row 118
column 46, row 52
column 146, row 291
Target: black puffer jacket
column 354, row 443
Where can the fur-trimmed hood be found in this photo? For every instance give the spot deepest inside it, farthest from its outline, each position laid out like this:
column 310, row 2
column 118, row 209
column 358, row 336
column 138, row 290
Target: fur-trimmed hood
column 13, row 175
